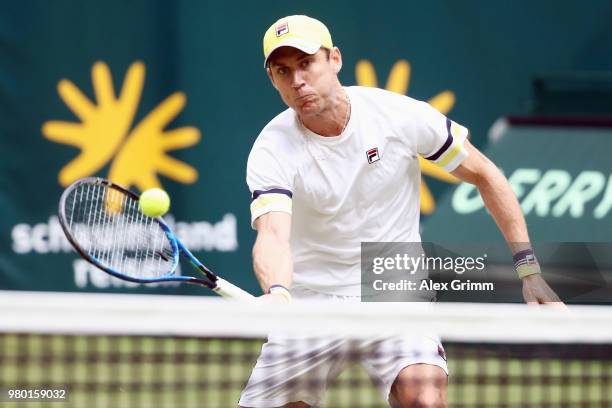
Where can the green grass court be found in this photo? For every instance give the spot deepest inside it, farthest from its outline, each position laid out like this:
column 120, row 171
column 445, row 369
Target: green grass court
column 105, row 371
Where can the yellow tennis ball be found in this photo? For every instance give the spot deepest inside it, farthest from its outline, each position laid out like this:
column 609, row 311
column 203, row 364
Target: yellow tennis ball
column 154, row 202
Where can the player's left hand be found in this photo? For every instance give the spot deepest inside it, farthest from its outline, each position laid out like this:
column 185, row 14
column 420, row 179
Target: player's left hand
column 536, row 291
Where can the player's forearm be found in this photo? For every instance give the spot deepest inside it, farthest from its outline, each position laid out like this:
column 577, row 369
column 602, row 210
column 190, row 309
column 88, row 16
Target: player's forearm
column 272, row 261
column 503, row 207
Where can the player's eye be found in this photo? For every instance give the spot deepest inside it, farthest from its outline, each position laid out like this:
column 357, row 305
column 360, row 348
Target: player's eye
column 281, row 71
column 305, row 63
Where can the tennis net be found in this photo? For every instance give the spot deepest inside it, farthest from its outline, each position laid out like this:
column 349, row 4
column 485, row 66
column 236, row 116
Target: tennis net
column 167, row 351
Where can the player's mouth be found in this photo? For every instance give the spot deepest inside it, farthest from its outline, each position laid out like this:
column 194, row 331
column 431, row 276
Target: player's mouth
column 306, row 99
column 307, row 96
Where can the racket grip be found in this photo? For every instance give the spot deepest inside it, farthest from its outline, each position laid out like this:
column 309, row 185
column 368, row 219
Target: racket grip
column 228, row 290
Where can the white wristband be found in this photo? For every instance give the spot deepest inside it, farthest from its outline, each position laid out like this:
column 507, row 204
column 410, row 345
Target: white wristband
column 281, row 290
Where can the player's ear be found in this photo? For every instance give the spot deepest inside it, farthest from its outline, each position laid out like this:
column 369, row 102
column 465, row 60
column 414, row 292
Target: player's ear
column 269, row 72
column 335, row 58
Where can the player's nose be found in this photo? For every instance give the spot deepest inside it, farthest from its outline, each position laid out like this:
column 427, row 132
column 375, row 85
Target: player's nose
column 297, row 79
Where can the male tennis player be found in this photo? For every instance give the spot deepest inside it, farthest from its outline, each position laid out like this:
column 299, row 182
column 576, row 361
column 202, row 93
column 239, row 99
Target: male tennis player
column 337, row 168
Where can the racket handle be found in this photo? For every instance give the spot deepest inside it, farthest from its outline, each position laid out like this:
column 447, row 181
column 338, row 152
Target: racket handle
column 228, row 290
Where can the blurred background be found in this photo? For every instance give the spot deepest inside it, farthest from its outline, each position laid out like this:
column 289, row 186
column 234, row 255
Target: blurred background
column 183, row 82
column 173, row 94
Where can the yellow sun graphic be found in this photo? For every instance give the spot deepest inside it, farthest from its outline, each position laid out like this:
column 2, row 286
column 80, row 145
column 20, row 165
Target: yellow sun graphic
column 398, row 81
column 105, row 133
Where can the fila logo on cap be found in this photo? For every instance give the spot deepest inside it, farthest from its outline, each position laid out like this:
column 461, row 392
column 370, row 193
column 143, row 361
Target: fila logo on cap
column 372, row 155
column 282, row 29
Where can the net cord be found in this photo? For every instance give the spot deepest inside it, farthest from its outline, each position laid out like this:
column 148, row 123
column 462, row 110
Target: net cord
column 50, row 312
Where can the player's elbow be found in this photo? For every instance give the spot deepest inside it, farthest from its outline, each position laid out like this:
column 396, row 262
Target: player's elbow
column 483, row 175
column 267, row 244
column 490, row 177
column 268, row 249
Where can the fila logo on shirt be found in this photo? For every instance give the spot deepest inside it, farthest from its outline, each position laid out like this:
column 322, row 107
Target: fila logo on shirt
column 372, row 155
column 282, row 29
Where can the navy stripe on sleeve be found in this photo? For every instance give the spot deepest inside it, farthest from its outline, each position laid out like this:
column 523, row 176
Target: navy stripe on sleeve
column 446, row 145
column 257, row 193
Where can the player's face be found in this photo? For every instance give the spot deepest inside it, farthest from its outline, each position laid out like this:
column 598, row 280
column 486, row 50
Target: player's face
column 306, row 83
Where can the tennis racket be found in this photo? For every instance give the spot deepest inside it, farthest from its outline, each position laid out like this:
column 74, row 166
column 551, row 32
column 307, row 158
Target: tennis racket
column 104, row 224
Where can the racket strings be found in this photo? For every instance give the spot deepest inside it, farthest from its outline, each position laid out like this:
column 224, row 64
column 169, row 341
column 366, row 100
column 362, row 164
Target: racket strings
column 108, row 225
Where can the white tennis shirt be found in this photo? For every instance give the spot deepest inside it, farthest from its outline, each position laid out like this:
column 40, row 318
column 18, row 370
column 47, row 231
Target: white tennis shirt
column 360, row 186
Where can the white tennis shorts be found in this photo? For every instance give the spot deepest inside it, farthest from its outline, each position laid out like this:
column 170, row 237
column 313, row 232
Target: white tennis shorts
column 292, row 368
